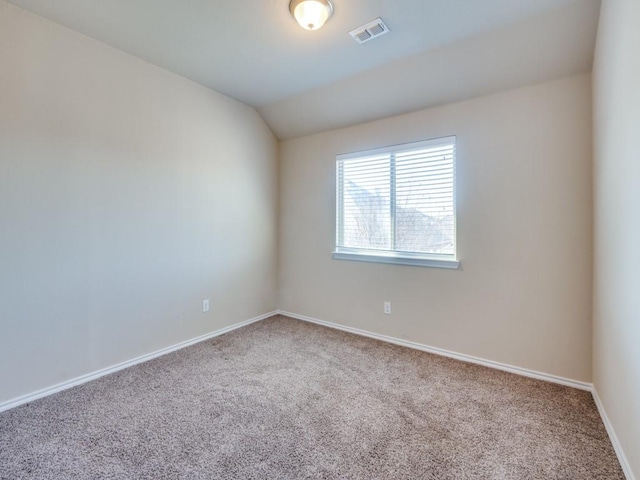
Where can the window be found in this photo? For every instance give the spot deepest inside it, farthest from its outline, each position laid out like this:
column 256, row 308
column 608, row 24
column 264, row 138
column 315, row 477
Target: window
column 397, row 204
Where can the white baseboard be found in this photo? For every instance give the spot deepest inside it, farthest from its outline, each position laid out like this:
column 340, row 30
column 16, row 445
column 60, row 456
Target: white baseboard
column 30, row 397
column 446, row 353
column 622, row 458
column 405, row 343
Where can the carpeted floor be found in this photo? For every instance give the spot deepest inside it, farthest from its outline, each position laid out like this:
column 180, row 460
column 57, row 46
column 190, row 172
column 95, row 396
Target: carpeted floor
column 283, row 399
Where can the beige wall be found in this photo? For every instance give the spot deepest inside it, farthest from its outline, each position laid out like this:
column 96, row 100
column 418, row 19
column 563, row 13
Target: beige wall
column 127, row 196
column 523, row 294
column 617, row 221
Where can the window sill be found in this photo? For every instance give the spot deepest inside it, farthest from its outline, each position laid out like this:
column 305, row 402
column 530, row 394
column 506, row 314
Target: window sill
column 419, row 261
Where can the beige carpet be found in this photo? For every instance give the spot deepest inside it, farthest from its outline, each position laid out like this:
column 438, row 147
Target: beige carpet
column 282, row 399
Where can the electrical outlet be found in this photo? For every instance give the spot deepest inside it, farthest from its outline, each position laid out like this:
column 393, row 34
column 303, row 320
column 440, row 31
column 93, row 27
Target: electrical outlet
column 387, row 308
column 205, row 305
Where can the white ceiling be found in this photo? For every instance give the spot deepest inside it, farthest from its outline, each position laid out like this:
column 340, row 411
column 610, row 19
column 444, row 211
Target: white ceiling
column 302, row 82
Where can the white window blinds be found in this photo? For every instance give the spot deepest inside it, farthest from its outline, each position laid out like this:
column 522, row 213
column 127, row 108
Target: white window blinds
column 398, row 202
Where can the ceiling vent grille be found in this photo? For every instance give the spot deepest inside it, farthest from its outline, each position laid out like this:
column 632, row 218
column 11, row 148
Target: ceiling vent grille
column 369, row 31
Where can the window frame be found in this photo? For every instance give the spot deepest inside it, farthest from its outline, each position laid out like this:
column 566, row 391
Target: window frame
column 397, row 257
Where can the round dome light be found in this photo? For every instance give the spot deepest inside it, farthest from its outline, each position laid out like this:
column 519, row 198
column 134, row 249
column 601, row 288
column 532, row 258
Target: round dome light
column 311, row 14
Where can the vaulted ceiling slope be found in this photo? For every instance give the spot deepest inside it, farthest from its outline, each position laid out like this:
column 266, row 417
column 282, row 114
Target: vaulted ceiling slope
column 302, row 82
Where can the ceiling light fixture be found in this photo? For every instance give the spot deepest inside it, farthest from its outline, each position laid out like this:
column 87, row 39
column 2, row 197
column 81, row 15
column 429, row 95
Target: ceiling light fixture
column 311, row 14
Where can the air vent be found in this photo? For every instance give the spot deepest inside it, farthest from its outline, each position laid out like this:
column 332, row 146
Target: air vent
column 369, row 31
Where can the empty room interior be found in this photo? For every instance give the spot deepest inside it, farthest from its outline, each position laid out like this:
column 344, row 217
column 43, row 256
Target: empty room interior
column 320, row 239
